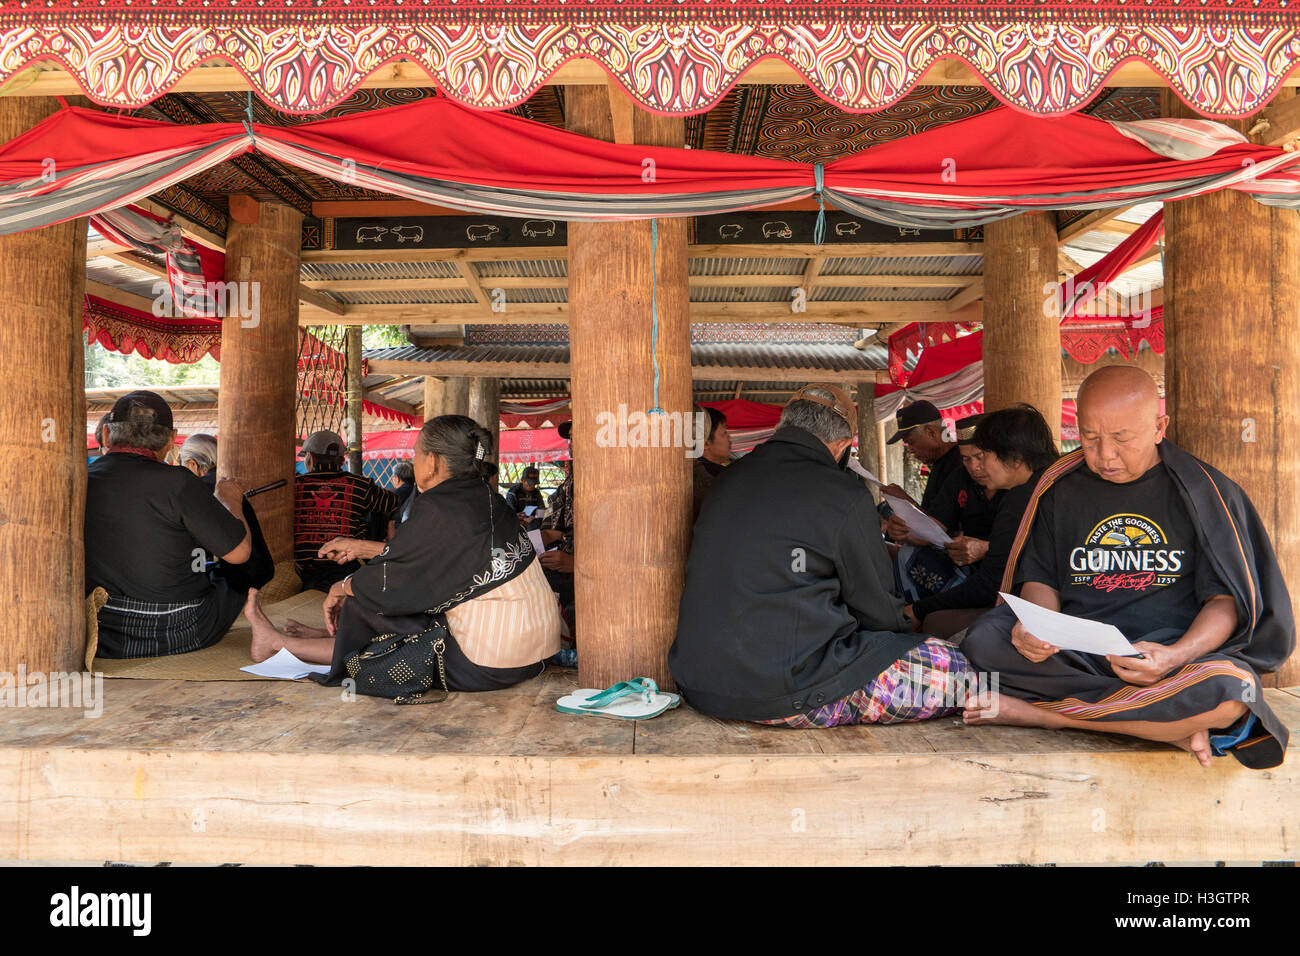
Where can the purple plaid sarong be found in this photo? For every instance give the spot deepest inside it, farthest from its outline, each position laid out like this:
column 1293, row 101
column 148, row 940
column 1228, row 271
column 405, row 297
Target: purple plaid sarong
column 923, row 683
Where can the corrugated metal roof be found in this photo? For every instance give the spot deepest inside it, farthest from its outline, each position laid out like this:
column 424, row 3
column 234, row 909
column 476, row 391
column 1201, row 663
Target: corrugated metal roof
column 743, row 293
column 522, row 268
column 533, row 296
column 904, row 265
column 824, row 357
column 309, row 271
column 472, row 353
column 897, row 294
column 124, row 277
column 409, row 297
column 749, row 265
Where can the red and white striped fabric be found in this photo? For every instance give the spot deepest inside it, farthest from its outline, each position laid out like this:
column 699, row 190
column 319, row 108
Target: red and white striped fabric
column 189, row 287
column 973, row 171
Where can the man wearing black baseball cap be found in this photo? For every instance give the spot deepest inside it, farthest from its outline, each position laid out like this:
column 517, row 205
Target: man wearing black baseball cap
column 921, row 429
column 151, row 531
column 337, row 516
column 525, row 494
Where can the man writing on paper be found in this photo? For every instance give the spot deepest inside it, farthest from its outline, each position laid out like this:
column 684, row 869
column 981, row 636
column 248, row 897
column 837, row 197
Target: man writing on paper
column 1133, row 531
column 793, row 620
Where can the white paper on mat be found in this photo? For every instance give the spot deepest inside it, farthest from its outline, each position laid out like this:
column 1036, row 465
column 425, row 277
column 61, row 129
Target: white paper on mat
column 285, row 666
column 855, row 466
column 918, row 522
column 536, row 538
column 1068, row 632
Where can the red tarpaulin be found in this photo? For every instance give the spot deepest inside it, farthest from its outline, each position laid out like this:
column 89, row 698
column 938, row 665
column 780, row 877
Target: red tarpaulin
column 517, row 445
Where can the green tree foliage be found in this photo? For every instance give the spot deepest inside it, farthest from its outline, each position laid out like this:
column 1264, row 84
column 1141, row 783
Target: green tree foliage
column 105, row 369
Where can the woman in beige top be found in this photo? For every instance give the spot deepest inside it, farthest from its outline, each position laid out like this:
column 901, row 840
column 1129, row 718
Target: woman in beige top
column 459, row 555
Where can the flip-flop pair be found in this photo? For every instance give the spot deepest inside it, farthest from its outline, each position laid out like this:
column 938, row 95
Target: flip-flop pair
column 638, row 699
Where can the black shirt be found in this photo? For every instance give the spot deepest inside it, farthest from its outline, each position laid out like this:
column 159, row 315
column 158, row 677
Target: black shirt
column 144, row 522
column 940, row 470
column 1126, row 554
column 519, row 497
column 789, row 600
column 981, row 588
column 963, row 505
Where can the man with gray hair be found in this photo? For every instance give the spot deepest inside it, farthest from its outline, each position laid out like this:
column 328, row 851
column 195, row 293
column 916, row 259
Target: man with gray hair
column 151, row 531
column 790, row 614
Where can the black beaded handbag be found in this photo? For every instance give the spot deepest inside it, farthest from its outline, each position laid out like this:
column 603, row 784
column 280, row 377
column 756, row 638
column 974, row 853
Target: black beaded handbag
column 403, row 667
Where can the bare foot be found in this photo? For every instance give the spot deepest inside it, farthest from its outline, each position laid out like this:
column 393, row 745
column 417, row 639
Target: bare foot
column 1198, row 745
column 994, row 708
column 266, row 639
column 294, row 628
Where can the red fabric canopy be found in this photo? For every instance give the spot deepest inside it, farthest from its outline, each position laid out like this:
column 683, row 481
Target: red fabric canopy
column 1085, row 286
column 517, row 445
column 976, row 170
column 552, row 411
column 742, row 413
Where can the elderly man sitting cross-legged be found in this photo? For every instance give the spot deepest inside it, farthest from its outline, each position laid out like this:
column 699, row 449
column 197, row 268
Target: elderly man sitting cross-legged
column 790, row 614
column 1135, row 532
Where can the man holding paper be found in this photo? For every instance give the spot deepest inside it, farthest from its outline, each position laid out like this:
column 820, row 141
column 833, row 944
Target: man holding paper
column 1017, row 447
column 1133, row 531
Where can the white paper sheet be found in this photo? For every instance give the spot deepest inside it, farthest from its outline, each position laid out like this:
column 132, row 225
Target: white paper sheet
column 1068, row 632
column 918, row 522
column 536, row 538
column 855, row 466
column 285, row 666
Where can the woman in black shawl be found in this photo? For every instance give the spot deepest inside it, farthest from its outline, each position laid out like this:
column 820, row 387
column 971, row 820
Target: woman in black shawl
column 459, row 558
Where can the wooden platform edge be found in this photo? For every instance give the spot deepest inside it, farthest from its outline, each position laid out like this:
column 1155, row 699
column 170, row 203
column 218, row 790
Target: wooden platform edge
column 230, row 807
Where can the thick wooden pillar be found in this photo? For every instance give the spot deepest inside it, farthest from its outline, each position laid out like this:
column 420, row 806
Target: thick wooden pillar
column 259, row 351
column 455, row 396
column 632, row 505
column 1232, row 353
column 1022, row 339
column 485, row 407
column 354, row 400
column 891, row 456
column 868, row 434
column 42, row 434
column 433, row 389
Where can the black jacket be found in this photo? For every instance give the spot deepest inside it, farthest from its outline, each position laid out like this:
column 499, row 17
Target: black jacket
column 790, row 600
column 948, row 464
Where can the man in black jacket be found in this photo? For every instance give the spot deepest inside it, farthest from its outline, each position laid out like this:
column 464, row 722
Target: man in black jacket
column 789, row 615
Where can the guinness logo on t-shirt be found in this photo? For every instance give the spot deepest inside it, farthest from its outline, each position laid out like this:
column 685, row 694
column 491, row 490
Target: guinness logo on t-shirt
column 1126, row 553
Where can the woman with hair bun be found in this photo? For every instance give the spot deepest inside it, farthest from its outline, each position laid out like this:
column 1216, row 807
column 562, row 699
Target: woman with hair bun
column 458, row 561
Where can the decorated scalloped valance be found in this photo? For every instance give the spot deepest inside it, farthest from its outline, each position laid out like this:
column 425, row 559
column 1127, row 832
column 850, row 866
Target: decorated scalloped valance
column 986, row 167
column 178, row 340
column 672, row 56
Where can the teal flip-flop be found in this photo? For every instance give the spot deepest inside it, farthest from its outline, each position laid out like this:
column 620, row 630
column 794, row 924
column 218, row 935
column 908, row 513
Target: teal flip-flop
column 638, row 699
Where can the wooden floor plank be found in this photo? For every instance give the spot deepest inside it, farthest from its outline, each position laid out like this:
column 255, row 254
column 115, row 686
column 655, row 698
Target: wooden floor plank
column 685, row 731
column 546, row 731
column 1286, row 706
column 30, row 726
column 812, row 809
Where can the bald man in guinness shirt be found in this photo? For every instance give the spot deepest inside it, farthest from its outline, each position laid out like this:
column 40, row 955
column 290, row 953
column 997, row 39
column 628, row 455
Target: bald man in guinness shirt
column 1133, row 531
